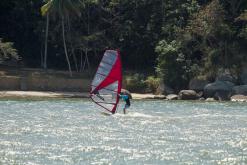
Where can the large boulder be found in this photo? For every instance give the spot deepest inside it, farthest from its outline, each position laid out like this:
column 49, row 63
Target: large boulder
column 222, row 95
column 239, row 90
column 187, row 95
column 172, row 97
column 197, row 84
column 220, row 87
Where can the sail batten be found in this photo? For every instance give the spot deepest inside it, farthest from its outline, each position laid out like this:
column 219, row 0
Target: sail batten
column 107, row 82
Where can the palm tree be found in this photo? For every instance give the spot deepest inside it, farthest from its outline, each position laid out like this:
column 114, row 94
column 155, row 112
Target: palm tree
column 62, row 9
column 46, row 40
column 44, row 11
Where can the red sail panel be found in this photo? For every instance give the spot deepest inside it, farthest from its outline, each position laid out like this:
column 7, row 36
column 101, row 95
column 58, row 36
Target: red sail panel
column 107, row 82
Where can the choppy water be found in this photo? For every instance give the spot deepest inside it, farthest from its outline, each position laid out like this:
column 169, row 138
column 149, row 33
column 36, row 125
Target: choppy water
column 153, row 132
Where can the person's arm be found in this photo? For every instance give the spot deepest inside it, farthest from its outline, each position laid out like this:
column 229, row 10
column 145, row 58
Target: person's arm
column 120, row 96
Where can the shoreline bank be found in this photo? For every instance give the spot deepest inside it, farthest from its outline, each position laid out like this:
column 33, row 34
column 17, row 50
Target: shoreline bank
column 63, row 95
column 48, row 94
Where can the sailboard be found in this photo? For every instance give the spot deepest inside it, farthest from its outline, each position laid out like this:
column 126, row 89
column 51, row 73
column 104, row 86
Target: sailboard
column 107, row 83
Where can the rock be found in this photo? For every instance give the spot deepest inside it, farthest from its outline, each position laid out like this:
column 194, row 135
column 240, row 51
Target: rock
column 210, row 99
column 218, row 86
column 197, row 84
column 239, row 90
column 200, row 94
column 172, row 97
column 222, row 95
column 201, row 99
column 187, row 95
column 239, row 98
column 159, row 97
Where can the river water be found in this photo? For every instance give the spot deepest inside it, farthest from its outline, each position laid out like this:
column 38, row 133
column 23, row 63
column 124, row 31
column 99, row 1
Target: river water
column 153, row 132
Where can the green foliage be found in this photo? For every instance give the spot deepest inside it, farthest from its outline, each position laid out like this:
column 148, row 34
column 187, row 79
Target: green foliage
column 64, row 7
column 152, row 84
column 140, row 83
column 180, row 38
column 7, row 51
column 243, row 16
column 171, row 64
column 135, row 83
column 203, row 43
column 214, row 38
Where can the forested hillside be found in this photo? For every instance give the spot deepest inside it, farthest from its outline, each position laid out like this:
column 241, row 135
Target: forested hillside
column 175, row 40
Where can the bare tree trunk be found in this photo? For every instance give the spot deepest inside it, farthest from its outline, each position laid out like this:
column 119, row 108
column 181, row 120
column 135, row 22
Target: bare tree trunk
column 88, row 32
column 71, row 46
column 226, row 54
column 41, row 57
column 88, row 64
column 81, row 62
column 65, row 47
column 46, row 40
column 86, row 61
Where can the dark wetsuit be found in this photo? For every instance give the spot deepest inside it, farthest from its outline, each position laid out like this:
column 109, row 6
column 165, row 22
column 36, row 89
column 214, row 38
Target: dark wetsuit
column 127, row 101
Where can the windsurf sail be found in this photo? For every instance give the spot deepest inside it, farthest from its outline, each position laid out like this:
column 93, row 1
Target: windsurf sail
column 107, row 82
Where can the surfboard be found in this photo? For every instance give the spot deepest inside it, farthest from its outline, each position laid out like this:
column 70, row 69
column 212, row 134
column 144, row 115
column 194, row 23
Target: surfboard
column 107, row 82
column 105, row 113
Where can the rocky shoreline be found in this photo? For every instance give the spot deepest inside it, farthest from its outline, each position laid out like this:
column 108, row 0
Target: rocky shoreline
column 225, row 88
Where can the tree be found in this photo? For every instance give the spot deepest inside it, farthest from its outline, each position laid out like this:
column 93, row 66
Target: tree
column 173, row 66
column 46, row 41
column 62, row 9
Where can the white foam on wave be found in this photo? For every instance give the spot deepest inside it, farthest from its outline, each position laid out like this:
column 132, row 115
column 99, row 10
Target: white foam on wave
column 126, row 150
column 32, row 163
column 87, row 148
column 242, row 144
column 134, row 114
column 63, row 157
column 13, row 143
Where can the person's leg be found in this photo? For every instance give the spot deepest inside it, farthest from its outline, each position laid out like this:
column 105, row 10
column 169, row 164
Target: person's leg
column 124, row 110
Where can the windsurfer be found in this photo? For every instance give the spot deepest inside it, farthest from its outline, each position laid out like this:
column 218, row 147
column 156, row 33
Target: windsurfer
column 127, row 101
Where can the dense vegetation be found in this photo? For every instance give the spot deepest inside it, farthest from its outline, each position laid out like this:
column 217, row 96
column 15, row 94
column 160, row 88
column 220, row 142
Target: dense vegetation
column 177, row 39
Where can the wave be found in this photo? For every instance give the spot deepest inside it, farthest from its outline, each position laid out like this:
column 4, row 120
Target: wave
column 134, row 114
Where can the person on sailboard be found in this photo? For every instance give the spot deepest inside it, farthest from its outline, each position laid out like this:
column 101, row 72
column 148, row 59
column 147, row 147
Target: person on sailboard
column 125, row 98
